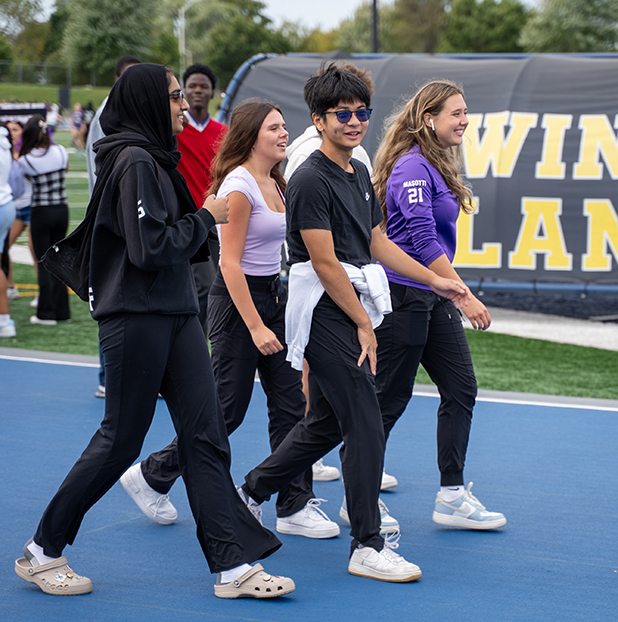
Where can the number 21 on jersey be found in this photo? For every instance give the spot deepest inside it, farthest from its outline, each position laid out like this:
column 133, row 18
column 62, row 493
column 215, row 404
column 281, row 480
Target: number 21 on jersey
column 415, row 195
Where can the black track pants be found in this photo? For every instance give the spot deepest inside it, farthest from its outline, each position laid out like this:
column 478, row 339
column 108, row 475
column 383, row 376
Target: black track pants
column 145, row 354
column 425, row 328
column 343, row 407
column 235, row 360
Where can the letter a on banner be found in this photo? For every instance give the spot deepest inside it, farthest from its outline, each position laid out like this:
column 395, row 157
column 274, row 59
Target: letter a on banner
column 540, row 234
column 602, row 235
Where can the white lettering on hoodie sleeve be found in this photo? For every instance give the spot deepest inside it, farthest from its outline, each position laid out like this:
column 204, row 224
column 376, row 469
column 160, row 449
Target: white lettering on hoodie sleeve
column 141, row 212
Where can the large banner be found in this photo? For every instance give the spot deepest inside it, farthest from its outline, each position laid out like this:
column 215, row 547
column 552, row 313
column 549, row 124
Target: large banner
column 541, row 153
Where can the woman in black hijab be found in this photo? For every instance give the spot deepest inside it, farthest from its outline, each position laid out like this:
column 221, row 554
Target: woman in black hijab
column 133, row 255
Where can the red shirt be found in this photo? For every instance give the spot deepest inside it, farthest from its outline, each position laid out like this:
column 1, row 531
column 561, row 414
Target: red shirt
column 198, row 148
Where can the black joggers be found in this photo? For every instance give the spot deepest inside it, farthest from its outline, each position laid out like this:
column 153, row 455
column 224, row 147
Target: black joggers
column 426, row 328
column 235, row 360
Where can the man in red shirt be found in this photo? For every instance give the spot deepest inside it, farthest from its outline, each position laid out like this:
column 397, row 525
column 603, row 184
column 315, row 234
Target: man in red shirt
column 198, row 143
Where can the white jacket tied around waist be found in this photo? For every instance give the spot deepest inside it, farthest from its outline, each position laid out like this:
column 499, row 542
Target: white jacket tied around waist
column 305, row 291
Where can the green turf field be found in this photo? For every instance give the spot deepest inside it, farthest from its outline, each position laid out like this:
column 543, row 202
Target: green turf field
column 41, row 93
column 502, row 362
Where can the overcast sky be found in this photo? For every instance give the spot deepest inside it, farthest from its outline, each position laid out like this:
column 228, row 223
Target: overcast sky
column 311, row 13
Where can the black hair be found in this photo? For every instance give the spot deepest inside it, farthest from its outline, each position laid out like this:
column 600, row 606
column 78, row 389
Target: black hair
column 331, row 86
column 199, row 68
column 124, row 62
column 35, row 135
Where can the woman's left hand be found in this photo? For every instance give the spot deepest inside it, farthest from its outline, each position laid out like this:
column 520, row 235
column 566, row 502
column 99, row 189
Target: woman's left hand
column 219, row 208
column 454, row 290
column 478, row 315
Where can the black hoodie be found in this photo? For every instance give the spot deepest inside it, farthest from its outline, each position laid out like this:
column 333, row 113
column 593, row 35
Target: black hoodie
column 131, row 253
column 143, row 239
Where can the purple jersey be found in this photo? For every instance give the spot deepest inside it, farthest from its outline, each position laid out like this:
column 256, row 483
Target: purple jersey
column 422, row 213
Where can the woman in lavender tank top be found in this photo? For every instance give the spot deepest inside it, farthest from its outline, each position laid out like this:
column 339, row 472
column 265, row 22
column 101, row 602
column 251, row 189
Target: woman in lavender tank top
column 246, row 314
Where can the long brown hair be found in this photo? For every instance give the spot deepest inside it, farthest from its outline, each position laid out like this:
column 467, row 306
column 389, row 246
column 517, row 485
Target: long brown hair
column 245, row 123
column 405, row 128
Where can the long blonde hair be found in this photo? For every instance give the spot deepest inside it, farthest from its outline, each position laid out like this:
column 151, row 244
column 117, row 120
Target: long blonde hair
column 405, row 128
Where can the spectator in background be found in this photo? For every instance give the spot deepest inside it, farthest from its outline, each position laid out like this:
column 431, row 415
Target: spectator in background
column 22, row 209
column 46, row 164
column 198, row 144
column 53, row 117
column 95, row 133
column 77, row 122
column 7, row 215
column 88, row 116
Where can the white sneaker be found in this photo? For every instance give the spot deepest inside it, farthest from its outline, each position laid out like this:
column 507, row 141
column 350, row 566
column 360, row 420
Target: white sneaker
column 310, row 522
column 156, row 506
column 100, row 392
column 253, row 507
column 37, row 320
column 12, row 293
column 466, row 511
column 388, row 524
column 323, row 473
column 384, row 565
column 34, row 303
column 8, row 329
column 388, row 481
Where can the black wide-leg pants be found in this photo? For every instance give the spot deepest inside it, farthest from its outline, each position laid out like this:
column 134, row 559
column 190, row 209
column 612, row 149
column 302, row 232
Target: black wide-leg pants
column 235, row 360
column 426, row 328
column 145, row 354
column 343, row 407
column 48, row 225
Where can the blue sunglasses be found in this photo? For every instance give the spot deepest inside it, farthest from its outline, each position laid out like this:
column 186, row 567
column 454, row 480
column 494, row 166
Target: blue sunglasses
column 343, row 116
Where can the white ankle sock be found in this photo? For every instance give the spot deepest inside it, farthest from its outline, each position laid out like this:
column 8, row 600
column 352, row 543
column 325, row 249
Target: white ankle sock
column 39, row 558
column 5, row 318
column 450, row 493
column 227, row 576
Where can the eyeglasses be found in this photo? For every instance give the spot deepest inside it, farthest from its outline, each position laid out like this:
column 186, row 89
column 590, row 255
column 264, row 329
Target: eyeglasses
column 343, row 116
column 177, row 96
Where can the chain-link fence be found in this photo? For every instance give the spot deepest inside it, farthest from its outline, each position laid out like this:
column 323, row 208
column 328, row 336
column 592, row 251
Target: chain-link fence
column 27, row 72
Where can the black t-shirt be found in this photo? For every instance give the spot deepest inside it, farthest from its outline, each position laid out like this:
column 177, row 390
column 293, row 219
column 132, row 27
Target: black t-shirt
column 321, row 195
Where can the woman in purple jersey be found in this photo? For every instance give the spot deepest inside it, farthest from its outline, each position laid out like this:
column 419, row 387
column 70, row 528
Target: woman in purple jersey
column 417, row 179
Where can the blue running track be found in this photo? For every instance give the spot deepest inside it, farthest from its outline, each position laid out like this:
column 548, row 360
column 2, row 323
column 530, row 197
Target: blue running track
column 549, row 466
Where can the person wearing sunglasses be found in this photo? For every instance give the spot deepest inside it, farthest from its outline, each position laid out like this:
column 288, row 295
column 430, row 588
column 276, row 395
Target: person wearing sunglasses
column 131, row 258
column 297, row 152
column 336, row 298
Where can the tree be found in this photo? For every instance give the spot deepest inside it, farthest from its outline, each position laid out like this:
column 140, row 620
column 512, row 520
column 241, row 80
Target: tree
column 99, row 32
column 302, row 39
column 232, row 43
column 572, row 26
column 489, row 26
column 355, row 33
column 6, row 51
column 15, row 14
column 57, row 27
column 30, row 42
column 418, row 25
